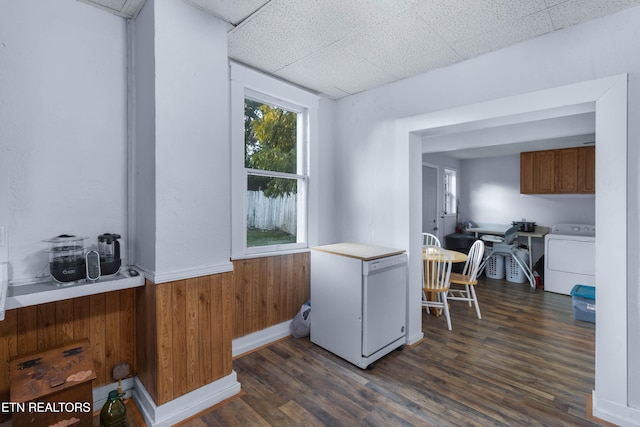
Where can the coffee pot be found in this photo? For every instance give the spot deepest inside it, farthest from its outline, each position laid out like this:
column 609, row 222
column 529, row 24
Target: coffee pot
column 109, row 250
column 66, row 258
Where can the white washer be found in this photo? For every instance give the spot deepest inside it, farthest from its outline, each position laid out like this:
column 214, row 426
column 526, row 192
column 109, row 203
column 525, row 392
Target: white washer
column 569, row 257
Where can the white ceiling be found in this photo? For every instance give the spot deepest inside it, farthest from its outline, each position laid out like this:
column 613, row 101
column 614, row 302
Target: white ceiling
column 123, row 8
column 564, row 127
column 342, row 47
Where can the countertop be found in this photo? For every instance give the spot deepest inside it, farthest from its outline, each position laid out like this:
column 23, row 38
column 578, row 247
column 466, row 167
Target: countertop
column 48, row 291
column 500, row 229
column 359, row 250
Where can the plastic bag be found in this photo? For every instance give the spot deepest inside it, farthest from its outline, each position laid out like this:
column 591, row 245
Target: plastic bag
column 301, row 324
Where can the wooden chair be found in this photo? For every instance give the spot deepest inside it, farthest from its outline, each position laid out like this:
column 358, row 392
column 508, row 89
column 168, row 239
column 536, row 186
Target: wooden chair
column 463, row 284
column 429, row 239
column 436, row 273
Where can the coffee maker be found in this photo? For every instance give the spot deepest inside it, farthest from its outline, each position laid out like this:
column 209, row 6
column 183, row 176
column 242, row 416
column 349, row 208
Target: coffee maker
column 66, row 258
column 109, row 250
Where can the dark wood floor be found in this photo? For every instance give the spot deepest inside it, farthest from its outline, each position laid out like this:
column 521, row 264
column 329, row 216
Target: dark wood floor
column 527, row 362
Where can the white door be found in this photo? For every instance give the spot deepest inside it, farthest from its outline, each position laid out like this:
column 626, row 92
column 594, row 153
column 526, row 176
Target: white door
column 430, row 200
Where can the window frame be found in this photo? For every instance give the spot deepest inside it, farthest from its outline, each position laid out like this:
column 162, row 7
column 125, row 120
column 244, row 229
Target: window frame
column 449, row 198
column 301, row 175
column 251, row 84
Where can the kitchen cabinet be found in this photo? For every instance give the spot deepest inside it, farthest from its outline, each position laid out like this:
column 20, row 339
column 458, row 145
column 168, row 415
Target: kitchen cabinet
column 587, row 170
column 526, row 173
column 565, row 171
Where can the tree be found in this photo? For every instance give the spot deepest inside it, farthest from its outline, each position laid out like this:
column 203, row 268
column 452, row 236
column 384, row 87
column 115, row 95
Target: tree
column 270, row 145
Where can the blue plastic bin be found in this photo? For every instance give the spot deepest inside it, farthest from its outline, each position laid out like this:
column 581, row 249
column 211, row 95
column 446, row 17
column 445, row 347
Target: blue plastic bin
column 584, row 303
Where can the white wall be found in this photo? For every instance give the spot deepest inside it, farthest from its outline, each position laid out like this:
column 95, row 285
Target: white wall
column 490, row 192
column 191, row 152
column 63, row 140
column 142, row 126
column 322, row 172
column 365, row 130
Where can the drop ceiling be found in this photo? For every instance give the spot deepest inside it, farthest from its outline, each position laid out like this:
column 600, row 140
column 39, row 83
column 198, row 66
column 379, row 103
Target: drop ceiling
column 342, row 47
column 123, row 8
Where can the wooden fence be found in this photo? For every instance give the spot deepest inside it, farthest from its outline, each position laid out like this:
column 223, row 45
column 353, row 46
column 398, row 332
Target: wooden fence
column 267, row 213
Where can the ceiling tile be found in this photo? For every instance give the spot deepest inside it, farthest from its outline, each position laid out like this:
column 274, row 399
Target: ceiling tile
column 336, row 19
column 338, row 68
column 506, row 10
column 458, row 19
column 272, row 31
column 413, row 65
column 341, row 47
column 575, row 11
column 502, row 36
column 111, row 4
column 401, row 52
column 123, row 8
column 240, row 10
column 229, row 10
column 554, row 2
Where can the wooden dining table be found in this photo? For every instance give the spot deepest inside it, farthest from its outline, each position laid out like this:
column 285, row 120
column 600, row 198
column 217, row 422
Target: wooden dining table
column 433, row 255
column 428, row 254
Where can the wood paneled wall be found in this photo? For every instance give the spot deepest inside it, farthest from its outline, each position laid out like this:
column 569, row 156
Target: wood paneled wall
column 107, row 319
column 184, row 334
column 176, row 336
column 268, row 291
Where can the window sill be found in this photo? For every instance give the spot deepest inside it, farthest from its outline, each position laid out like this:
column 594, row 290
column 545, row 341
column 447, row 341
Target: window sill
column 269, row 254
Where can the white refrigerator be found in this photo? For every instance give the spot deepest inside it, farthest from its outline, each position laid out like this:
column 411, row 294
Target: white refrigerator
column 358, row 300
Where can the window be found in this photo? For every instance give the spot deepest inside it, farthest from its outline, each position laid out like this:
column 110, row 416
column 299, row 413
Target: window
column 450, row 199
column 274, row 129
column 275, row 174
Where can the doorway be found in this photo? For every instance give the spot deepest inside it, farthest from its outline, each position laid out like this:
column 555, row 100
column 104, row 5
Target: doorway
column 607, row 97
column 430, row 200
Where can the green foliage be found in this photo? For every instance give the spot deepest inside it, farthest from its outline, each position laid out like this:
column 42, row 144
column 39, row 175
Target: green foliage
column 270, row 145
column 257, row 237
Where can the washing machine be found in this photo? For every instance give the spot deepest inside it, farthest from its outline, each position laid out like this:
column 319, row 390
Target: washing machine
column 569, row 257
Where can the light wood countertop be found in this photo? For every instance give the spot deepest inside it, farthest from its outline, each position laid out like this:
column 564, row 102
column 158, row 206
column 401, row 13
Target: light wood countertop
column 359, row 250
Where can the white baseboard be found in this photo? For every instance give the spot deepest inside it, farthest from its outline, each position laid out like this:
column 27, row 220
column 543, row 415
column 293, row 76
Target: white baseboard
column 198, row 400
column 184, row 406
column 258, row 339
column 415, row 338
column 615, row 413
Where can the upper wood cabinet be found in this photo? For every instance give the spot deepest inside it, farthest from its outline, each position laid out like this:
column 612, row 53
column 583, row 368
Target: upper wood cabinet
column 566, row 171
column 587, row 170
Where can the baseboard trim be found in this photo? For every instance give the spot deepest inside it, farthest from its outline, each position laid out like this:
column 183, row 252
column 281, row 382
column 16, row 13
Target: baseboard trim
column 259, row 339
column 613, row 412
column 186, row 405
column 415, row 339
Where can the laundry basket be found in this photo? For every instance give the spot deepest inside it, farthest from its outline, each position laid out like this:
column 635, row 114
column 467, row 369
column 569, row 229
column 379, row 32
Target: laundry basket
column 495, row 267
column 513, row 272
